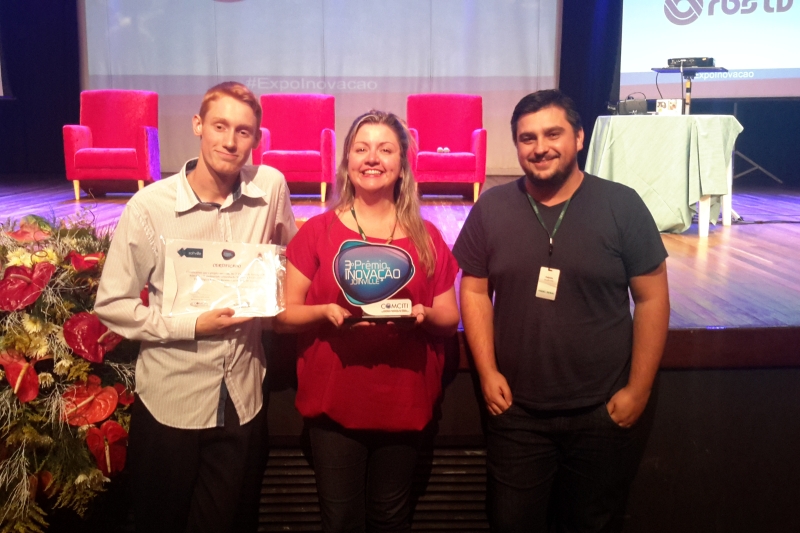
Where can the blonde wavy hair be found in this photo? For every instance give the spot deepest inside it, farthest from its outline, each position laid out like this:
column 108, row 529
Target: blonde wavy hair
column 406, row 200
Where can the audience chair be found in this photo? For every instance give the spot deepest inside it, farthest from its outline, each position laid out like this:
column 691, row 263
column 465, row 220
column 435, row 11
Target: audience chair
column 297, row 137
column 116, row 143
column 451, row 141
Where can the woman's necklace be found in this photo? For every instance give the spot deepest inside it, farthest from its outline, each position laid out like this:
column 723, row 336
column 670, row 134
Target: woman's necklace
column 364, row 235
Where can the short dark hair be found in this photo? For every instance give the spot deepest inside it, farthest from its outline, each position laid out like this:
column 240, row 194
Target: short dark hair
column 541, row 99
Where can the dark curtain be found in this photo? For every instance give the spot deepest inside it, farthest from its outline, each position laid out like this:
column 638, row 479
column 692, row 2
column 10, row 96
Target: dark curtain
column 3, row 74
column 42, row 73
column 591, row 34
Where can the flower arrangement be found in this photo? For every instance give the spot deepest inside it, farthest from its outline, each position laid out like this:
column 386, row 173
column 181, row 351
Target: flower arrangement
column 64, row 401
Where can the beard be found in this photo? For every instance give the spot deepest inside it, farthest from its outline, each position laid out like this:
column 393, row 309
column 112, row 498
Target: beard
column 550, row 184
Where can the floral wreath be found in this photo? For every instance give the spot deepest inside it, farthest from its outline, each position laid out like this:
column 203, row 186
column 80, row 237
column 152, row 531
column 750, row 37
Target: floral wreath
column 64, row 405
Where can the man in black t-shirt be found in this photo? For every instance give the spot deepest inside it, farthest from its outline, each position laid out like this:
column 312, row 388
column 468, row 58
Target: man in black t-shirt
column 566, row 372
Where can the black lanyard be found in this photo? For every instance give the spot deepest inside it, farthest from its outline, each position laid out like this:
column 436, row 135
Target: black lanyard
column 364, row 235
column 558, row 222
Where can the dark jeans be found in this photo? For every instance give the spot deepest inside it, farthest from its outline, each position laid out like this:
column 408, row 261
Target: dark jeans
column 196, row 479
column 563, row 471
column 363, row 477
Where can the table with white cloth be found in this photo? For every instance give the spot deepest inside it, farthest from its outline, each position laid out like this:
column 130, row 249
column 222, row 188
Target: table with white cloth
column 673, row 162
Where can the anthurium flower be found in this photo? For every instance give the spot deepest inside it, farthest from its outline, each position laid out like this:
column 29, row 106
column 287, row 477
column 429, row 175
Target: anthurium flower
column 20, row 374
column 125, row 396
column 88, row 402
column 88, row 337
column 21, row 286
column 33, row 486
column 109, row 445
column 84, row 263
column 145, row 296
column 31, row 229
column 45, row 485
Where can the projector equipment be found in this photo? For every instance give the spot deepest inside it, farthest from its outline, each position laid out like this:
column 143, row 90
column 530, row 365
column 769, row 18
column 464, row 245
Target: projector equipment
column 688, row 67
column 679, row 62
column 631, row 107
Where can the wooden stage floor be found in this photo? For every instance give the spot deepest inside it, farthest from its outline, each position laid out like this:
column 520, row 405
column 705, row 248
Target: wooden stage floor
column 735, row 296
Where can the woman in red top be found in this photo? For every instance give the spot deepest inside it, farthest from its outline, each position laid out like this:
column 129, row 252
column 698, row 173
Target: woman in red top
column 367, row 390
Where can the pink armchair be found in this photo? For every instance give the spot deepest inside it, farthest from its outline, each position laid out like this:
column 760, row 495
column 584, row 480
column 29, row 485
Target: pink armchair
column 115, row 144
column 450, row 138
column 297, row 137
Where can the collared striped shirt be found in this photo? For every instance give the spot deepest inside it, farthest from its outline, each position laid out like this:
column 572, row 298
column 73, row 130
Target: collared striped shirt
column 180, row 378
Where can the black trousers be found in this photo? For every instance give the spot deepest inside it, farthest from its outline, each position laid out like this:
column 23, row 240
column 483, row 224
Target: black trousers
column 363, row 477
column 196, row 480
column 565, row 472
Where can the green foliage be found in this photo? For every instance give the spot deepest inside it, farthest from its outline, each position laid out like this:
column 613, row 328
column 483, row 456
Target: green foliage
column 37, row 446
column 79, row 370
column 78, row 494
column 34, row 522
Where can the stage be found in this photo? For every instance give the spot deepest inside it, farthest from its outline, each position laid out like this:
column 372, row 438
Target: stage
column 735, row 296
column 726, row 427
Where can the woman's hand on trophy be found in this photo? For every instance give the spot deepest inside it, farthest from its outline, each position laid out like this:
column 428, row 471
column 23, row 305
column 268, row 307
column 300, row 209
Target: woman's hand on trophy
column 335, row 314
column 420, row 313
column 440, row 319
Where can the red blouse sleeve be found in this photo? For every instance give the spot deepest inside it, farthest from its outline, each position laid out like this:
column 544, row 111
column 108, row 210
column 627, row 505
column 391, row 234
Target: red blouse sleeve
column 302, row 249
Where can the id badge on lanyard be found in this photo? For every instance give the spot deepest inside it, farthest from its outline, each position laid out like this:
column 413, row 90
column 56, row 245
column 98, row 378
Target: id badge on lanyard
column 547, row 285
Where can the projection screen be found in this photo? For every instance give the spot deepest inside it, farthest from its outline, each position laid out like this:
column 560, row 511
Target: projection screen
column 756, row 40
column 367, row 53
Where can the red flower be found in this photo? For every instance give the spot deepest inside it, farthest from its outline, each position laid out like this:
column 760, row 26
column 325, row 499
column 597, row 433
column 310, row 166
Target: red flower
column 45, row 484
column 88, row 337
column 31, row 229
column 20, row 375
column 109, row 445
column 83, row 263
column 21, row 286
column 88, row 402
column 145, row 296
column 125, row 396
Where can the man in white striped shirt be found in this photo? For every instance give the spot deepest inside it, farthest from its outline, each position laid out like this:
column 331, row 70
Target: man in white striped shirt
column 198, row 429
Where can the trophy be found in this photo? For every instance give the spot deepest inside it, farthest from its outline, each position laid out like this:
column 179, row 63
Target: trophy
column 369, row 275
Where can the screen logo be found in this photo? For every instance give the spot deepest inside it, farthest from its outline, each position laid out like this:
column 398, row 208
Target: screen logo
column 692, row 11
